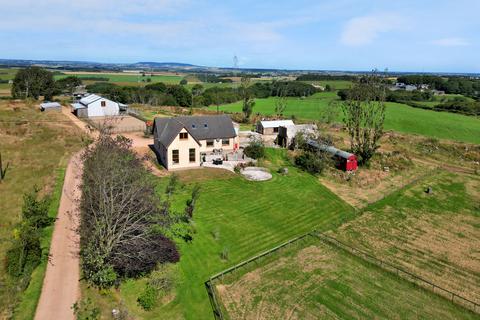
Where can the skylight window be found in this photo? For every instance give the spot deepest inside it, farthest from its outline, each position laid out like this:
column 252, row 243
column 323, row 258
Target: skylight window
column 193, row 126
column 205, row 125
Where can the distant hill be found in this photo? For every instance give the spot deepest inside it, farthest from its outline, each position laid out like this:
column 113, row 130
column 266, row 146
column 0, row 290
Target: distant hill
column 165, row 64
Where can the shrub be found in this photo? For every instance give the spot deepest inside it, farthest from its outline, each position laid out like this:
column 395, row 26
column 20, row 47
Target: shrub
column 311, row 162
column 25, row 255
column 26, row 252
column 224, row 254
column 255, row 149
column 86, row 310
column 148, row 298
column 148, row 252
column 163, row 278
column 36, row 211
column 96, row 270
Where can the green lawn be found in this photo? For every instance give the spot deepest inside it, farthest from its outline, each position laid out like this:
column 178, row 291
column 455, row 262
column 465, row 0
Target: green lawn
column 314, row 280
column 399, row 117
column 246, row 224
column 127, row 78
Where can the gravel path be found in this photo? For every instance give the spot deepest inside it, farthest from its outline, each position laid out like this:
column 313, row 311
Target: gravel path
column 61, row 287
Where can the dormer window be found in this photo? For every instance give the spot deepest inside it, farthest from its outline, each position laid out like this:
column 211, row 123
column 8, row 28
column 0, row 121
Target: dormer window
column 205, row 125
column 183, row 136
column 193, row 126
column 103, row 103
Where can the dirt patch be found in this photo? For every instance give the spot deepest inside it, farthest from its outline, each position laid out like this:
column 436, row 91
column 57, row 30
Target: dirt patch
column 369, row 185
column 313, row 258
column 256, row 174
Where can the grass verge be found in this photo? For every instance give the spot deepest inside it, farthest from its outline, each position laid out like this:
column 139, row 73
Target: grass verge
column 29, row 298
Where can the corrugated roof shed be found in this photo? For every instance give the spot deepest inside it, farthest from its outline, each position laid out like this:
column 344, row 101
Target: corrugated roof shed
column 89, row 99
column 47, row 105
column 330, row 149
column 276, row 123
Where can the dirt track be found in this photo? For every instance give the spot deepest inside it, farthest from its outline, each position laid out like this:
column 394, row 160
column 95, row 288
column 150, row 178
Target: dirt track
column 61, row 287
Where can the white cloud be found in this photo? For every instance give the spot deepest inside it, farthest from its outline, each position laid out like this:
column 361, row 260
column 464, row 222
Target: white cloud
column 364, row 30
column 451, row 42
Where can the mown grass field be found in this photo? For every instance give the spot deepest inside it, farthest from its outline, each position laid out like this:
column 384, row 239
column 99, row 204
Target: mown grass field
column 314, row 280
column 125, row 78
column 35, row 151
column 436, row 235
column 399, row 117
column 248, row 217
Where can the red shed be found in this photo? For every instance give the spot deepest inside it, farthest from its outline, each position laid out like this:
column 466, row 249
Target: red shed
column 343, row 160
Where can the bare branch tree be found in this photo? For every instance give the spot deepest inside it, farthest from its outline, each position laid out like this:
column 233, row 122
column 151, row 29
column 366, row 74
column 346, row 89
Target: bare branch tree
column 119, row 209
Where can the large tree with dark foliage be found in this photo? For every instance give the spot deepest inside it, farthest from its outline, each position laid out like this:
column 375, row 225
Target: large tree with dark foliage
column 33, row 82
column 364, row 115
column 68, row 84
column 120, row 215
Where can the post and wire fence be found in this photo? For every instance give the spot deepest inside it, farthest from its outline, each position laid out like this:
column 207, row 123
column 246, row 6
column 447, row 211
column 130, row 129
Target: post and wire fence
column 218, row 310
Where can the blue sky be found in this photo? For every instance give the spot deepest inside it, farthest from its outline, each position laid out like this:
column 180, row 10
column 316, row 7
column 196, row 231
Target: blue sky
column 421, row 35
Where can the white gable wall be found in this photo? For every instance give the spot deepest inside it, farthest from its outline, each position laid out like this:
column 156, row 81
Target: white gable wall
column 95, row 108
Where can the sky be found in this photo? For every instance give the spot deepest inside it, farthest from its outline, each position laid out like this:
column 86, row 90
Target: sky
column 408, row 35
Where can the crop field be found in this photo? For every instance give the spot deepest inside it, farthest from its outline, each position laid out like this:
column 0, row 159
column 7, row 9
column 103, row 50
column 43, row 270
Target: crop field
column 314, row 280
column 231, row 216
column 434, row 235
column 399, row 117
column 6, row 74
column 334, row 84
column 36, row 151
column 125, row 79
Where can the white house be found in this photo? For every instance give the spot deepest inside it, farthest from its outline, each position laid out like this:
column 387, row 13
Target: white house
column 183, row 142
column 95, row 106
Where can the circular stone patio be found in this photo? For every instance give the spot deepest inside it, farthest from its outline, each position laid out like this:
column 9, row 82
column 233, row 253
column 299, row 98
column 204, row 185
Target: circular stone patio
column 256, row 174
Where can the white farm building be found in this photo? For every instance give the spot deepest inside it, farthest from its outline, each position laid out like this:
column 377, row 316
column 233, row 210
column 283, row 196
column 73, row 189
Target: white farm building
column 267, row 127
column 95, row 106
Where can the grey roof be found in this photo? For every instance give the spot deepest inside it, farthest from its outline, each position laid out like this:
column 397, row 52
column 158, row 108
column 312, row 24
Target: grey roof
column 330, row 149
column 199, row 127
column 47, row 105
column 89, row 99
column 76, row 106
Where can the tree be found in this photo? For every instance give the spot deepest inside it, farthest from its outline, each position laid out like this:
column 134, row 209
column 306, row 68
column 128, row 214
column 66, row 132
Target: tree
column 68, row 84
column 364, row 116
column 33, row 82
column 248, row 101
column 120, row 215
column 183, row 82
column 280, row 105
column 329, row 113
column 197, row 91
column 181, row 95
